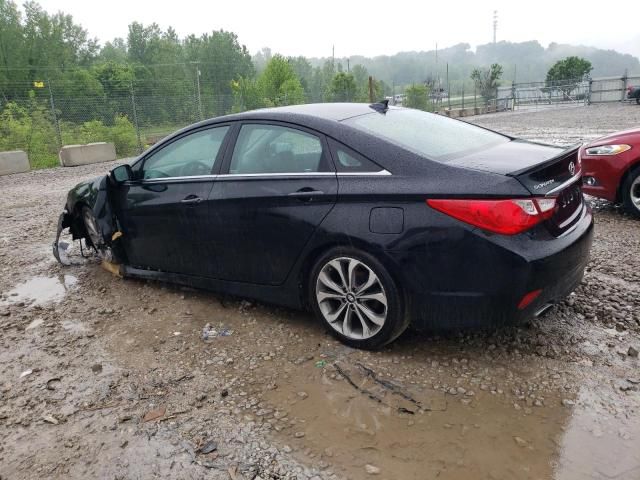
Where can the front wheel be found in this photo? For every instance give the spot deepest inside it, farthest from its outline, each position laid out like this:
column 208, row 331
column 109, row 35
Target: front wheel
column 357, row 299
column 91, row 227
column 631, row 192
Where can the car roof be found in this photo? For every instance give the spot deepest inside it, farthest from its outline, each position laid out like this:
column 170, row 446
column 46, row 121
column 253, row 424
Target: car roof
column 327, row 111
column 323, row 111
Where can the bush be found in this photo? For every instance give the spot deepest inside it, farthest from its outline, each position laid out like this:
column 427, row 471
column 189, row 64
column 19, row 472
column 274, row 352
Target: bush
column 29, row 128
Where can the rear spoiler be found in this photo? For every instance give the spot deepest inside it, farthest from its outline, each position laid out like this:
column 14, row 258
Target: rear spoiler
column 567, row 152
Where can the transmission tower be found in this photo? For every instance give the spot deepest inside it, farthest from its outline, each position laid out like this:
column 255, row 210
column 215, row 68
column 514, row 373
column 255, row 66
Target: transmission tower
column 495, row 24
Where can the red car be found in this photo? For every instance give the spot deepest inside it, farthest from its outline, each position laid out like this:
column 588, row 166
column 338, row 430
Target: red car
column 611, row 167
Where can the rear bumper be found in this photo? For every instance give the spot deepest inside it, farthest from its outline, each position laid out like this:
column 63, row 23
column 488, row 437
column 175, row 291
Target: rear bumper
column 481, row 280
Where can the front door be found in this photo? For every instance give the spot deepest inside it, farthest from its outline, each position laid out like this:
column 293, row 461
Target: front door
column 163, row 212
column 279, row 186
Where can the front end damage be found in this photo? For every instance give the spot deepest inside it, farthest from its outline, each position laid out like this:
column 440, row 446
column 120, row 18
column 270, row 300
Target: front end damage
column 90, row 219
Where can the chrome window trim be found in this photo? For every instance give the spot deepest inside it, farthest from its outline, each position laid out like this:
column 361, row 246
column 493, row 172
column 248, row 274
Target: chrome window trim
column 192, row 178
column 271, row 175
column 381, row 173
column 233, row 176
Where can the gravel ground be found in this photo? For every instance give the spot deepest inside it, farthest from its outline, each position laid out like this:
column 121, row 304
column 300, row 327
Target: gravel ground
column 102, row 377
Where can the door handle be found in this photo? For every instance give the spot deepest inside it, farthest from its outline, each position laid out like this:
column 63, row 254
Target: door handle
column 306, row 194
column 191, row 200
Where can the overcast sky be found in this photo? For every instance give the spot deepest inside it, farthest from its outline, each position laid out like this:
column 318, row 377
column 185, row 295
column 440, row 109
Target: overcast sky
column 367, row 28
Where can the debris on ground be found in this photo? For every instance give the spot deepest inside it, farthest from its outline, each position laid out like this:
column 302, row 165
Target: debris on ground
column 207, row 447
column 209, row 332
column 155, row 414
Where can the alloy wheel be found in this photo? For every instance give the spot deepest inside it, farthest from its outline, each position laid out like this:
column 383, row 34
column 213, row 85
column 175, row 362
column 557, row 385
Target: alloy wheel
column 351, row 298
column 634, row 192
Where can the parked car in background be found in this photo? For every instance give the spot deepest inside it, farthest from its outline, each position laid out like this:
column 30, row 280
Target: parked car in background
column 611, row 167
column 372, row 216
column 634, row 92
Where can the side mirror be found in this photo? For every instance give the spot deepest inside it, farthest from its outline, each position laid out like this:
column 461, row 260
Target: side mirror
column 122, row 174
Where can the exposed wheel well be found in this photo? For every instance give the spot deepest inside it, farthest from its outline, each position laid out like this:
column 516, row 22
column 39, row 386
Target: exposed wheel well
column 77, row 224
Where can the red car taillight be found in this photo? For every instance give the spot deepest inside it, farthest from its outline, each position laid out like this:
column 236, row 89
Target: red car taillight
column 507, row 217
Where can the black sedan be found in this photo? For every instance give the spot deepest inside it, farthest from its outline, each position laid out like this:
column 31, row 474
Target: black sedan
column 374, row 217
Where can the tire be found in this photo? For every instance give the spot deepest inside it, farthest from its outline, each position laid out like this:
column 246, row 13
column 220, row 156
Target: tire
column 91, row 227
column 354, row 310
column 630, row 191
column 638, row 100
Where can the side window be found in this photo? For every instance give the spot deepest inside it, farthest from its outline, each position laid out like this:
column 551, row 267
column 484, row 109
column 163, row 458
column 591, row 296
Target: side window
column 347, row 160
column 275, row 149
column 194, row 154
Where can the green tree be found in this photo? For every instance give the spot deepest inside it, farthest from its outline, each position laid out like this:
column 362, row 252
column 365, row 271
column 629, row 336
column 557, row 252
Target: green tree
column 247, row 95
column 304, row 71
column 417, row 96
column 279, row 83
column 487, row 80
column 565, row 74
column 342, row 88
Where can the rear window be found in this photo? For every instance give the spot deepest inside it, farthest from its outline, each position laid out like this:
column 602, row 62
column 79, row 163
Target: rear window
column 427, row 134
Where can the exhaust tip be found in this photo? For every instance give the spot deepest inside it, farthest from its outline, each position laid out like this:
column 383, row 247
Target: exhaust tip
column 543, row 310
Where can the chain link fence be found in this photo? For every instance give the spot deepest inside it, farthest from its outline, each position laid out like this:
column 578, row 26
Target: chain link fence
column 132, row 117
column 135, row 115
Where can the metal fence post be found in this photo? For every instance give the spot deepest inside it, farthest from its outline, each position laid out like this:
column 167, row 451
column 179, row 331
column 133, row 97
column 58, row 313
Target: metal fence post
column 55, row 116
column 624, row 84
column 135, row 118
column 198, row 97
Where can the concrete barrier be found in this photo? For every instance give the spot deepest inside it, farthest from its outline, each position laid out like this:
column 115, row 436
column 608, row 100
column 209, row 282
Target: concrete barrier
column 74, row 155
column 13, row 162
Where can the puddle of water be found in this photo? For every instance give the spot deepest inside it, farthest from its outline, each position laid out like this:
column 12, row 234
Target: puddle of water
column 355, row 423
column 358, row 419
column 598, row 443
column 41, row 290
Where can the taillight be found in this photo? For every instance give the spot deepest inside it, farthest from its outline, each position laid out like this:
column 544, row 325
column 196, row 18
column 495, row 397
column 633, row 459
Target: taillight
column 508, row 217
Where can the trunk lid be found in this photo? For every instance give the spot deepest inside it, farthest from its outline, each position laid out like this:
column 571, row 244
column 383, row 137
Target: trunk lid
column 544, row 170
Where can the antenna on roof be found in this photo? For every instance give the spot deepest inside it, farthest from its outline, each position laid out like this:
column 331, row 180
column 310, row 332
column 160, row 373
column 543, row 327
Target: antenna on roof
column 381, row 107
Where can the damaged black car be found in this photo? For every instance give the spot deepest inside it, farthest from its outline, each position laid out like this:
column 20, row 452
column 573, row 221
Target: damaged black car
column 374, row 217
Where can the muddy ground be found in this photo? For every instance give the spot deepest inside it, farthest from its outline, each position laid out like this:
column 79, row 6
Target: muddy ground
column 108, row 378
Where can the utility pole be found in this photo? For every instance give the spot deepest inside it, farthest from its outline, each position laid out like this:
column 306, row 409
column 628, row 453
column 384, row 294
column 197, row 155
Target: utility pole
column 371, row 89
column 333, row 57
column 348, row 69
column 439, row 84
column 448, row 89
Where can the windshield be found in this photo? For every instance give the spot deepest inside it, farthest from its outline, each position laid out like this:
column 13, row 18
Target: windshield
column 429, row 135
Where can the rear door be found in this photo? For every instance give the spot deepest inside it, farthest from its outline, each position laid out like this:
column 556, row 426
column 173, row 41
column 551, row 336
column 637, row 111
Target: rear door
column 163, row 212
column 277, row 185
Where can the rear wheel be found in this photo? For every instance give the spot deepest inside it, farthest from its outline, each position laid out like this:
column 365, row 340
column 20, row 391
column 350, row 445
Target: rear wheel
column 638, row 100
column 631, row 192
column 356, row 299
